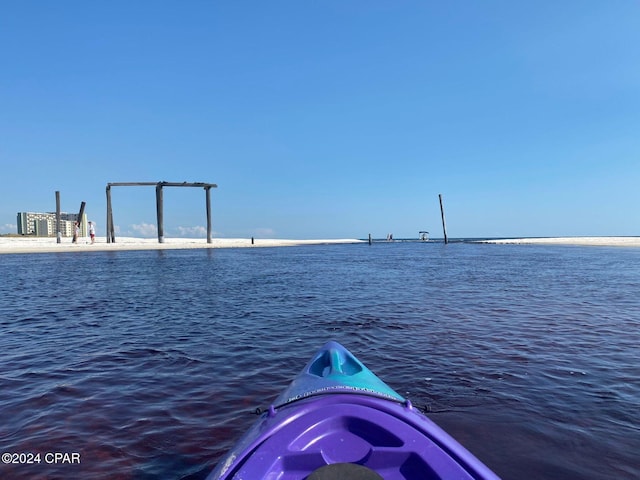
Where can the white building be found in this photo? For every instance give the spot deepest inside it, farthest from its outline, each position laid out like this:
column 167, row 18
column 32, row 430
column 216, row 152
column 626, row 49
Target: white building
column 44, row 224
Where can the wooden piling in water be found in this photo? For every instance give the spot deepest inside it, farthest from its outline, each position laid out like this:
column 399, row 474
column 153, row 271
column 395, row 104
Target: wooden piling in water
column 444, row 225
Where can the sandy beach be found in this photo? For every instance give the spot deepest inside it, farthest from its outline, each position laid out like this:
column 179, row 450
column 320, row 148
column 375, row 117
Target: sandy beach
column 48, row 245
column 589, row 241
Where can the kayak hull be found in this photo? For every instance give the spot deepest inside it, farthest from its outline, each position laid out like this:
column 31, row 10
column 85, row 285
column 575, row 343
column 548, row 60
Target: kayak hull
column 345, row 418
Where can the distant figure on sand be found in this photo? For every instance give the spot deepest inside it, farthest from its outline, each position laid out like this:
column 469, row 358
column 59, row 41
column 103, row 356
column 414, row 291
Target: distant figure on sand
column 76, row 232
column 92, row 232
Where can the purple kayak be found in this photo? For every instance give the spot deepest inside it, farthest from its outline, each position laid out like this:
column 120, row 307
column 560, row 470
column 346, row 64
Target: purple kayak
column 337, row 420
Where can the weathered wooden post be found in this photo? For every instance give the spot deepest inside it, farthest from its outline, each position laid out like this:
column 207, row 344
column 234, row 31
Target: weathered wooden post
column 369, row 239
column 58, row 234
column 159, row 212
column 208, row 190
column 444, row 225
column 81, row 213
column 110, row 231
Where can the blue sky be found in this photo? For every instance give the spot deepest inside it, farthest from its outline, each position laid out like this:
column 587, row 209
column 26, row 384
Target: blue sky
column 325, row 119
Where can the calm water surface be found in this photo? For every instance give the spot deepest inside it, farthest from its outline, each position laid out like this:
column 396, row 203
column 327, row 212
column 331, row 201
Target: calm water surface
column 148, row 364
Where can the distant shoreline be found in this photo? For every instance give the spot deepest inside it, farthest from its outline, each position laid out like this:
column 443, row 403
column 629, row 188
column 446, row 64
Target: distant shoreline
column 586, row 241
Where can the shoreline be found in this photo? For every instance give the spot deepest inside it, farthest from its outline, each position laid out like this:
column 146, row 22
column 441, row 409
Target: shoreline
column 576, row 241
column 10, row 245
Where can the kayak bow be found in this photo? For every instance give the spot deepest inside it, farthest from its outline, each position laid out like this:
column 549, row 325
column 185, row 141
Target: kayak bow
column 338, row 420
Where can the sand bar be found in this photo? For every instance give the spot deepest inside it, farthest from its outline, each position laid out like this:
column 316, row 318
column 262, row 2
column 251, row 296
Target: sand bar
column 589, row 241
column 49, row 245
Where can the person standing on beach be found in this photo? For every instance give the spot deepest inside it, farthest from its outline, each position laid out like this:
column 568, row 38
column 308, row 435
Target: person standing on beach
column 92, row 232
column 76, row 232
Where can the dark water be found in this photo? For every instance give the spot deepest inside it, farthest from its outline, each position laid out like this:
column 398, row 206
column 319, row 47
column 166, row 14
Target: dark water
column 147, row 364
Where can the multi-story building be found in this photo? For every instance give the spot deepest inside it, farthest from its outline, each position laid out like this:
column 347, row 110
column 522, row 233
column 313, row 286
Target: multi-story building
column 44, row 224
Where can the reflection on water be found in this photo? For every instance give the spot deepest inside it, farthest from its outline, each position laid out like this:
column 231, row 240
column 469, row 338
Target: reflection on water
column 148, row 364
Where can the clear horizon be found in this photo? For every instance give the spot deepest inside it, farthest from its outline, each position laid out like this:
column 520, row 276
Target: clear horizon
column 331, row 120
